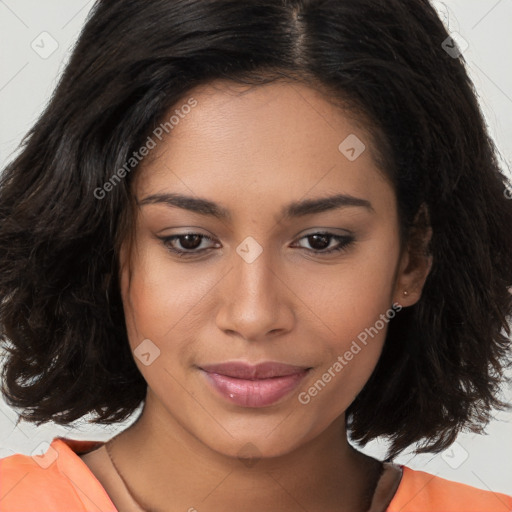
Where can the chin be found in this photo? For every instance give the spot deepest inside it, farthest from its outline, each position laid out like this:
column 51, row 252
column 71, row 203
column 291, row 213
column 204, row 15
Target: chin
column 249, row 444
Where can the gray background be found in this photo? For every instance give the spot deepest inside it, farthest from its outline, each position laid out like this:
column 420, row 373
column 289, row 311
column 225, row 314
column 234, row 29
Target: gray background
column 36, row 38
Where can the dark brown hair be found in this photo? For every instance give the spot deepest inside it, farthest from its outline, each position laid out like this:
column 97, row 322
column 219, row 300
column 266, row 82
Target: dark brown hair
column 61, row 316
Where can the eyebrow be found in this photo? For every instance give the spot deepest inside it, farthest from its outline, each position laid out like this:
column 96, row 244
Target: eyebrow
column 292, row 210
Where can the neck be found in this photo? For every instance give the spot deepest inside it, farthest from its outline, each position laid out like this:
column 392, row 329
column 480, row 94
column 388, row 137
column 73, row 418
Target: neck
column 164, row 465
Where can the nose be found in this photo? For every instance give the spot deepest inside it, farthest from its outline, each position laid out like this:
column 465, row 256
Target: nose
column 255, row 300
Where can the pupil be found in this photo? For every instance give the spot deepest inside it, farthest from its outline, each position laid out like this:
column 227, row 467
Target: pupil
column 324, row 238
column 185, row 241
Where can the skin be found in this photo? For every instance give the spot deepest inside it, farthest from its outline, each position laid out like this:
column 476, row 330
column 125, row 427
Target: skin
column 253, row 150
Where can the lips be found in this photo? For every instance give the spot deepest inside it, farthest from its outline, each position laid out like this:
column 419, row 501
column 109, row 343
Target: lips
column 249, row 385
column 253, row 372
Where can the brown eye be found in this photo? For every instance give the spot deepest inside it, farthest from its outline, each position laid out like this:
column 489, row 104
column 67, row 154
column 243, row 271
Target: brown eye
column 319, row 242
column 190, row 242
column 186, row 244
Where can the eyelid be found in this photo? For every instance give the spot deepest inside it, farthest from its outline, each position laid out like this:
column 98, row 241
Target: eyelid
column 330, row 231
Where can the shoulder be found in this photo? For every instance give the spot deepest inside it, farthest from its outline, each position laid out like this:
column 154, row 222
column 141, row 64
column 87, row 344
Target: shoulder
column 424, row 492
column 57, row 480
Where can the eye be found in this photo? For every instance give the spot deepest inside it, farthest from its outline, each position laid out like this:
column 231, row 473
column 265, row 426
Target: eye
column 190, row 243
column 321, row 242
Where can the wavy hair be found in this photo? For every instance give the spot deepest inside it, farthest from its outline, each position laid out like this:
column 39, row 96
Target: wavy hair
column 61, row 317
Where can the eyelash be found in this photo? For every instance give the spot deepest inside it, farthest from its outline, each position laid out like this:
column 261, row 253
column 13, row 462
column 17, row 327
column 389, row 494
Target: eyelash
column 345, row 242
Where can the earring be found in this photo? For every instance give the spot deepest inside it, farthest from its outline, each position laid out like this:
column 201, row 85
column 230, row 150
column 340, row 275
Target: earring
column 406, row 293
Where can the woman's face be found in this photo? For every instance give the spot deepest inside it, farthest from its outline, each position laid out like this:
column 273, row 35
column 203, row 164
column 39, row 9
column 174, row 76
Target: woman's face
column 258, row 287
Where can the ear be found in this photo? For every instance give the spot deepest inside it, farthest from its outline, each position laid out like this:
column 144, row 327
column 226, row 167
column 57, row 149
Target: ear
column 415, row 261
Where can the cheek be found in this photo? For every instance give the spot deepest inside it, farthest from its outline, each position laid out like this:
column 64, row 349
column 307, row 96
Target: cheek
column 351, row 295
column 151, row 297
column 162, row 302
column 355, row 306
column 155, row 310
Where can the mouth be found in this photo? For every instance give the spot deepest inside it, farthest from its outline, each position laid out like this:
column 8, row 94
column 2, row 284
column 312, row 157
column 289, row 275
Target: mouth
column 249, row 385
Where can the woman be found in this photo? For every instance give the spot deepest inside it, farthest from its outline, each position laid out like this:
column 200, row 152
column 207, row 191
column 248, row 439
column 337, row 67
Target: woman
column 274, row 223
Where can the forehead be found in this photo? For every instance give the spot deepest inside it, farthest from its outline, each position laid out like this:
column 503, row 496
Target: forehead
column 280, row 136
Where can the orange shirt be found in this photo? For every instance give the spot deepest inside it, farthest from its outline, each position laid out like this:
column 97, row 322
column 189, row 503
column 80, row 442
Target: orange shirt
column 59, row 481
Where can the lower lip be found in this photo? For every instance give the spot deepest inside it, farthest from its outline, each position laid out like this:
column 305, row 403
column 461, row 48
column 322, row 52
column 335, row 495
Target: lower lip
column 254, row 393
